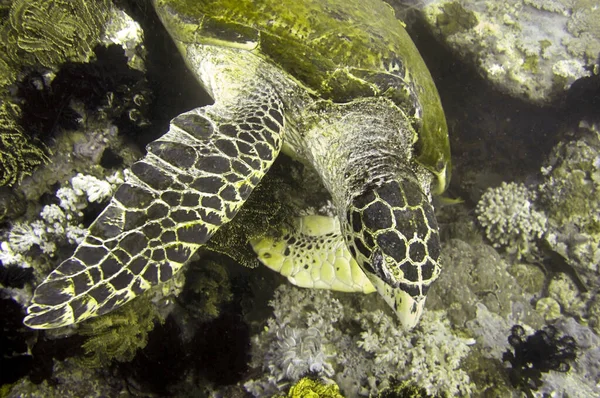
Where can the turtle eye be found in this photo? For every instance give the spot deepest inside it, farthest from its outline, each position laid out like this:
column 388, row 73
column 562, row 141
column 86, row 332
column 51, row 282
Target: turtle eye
column 381, row 268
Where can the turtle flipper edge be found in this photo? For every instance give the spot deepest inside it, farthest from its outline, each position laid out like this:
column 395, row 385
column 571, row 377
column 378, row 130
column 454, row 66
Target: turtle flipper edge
column 193, row 180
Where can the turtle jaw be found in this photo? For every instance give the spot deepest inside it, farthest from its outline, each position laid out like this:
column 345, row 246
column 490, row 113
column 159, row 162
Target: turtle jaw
column 408, row 308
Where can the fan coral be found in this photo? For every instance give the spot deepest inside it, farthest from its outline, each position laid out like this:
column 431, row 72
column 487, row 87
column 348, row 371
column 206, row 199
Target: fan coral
column 508, row 215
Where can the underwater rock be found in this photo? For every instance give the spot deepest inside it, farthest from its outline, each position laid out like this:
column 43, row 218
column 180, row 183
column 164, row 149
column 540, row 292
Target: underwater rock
column 531, row 49
column 476, row 274
column 570, row 195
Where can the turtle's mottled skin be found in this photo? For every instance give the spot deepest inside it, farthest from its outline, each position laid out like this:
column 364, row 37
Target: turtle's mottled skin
column 336, row 83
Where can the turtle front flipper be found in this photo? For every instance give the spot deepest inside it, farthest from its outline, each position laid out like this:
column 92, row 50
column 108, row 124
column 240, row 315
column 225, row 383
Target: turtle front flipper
column 193, row 180
column 314, row 255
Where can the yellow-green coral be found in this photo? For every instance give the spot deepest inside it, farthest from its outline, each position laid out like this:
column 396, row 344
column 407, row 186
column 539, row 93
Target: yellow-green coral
column 50, row 32
column 309, row 388
column 118, row 335
column 19, row 154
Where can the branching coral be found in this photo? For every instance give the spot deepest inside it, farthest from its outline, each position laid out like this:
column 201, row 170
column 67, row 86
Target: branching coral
column 510, row 219
column 57, row 224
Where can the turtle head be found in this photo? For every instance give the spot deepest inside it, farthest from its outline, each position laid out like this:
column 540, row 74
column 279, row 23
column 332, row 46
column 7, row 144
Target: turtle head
column 392, row 233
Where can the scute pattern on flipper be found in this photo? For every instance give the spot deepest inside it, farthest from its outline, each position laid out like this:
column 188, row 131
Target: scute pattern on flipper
column 167, row 208
column 314, row 255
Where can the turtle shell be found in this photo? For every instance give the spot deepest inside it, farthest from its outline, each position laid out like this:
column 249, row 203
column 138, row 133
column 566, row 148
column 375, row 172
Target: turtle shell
column 337, row 49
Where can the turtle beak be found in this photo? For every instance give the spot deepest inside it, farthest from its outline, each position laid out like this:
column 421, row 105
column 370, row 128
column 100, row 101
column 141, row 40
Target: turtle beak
column 408, row 307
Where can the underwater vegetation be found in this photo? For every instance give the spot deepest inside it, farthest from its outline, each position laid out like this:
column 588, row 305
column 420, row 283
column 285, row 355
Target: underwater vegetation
column 538, row 353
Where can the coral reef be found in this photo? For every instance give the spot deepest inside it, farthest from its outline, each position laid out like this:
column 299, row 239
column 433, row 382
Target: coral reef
column 19, row 154
column 571, row 194
column 476, row 274
column 37, row 39
column 44, row 236
column 405, row 389
column 510, row 219
column 39, row 33
column 105, row 87
column 533, row 49
column 51, row 32
column 360, row 347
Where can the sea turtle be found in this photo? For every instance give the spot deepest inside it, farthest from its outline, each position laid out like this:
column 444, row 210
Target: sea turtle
column 339, row 85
